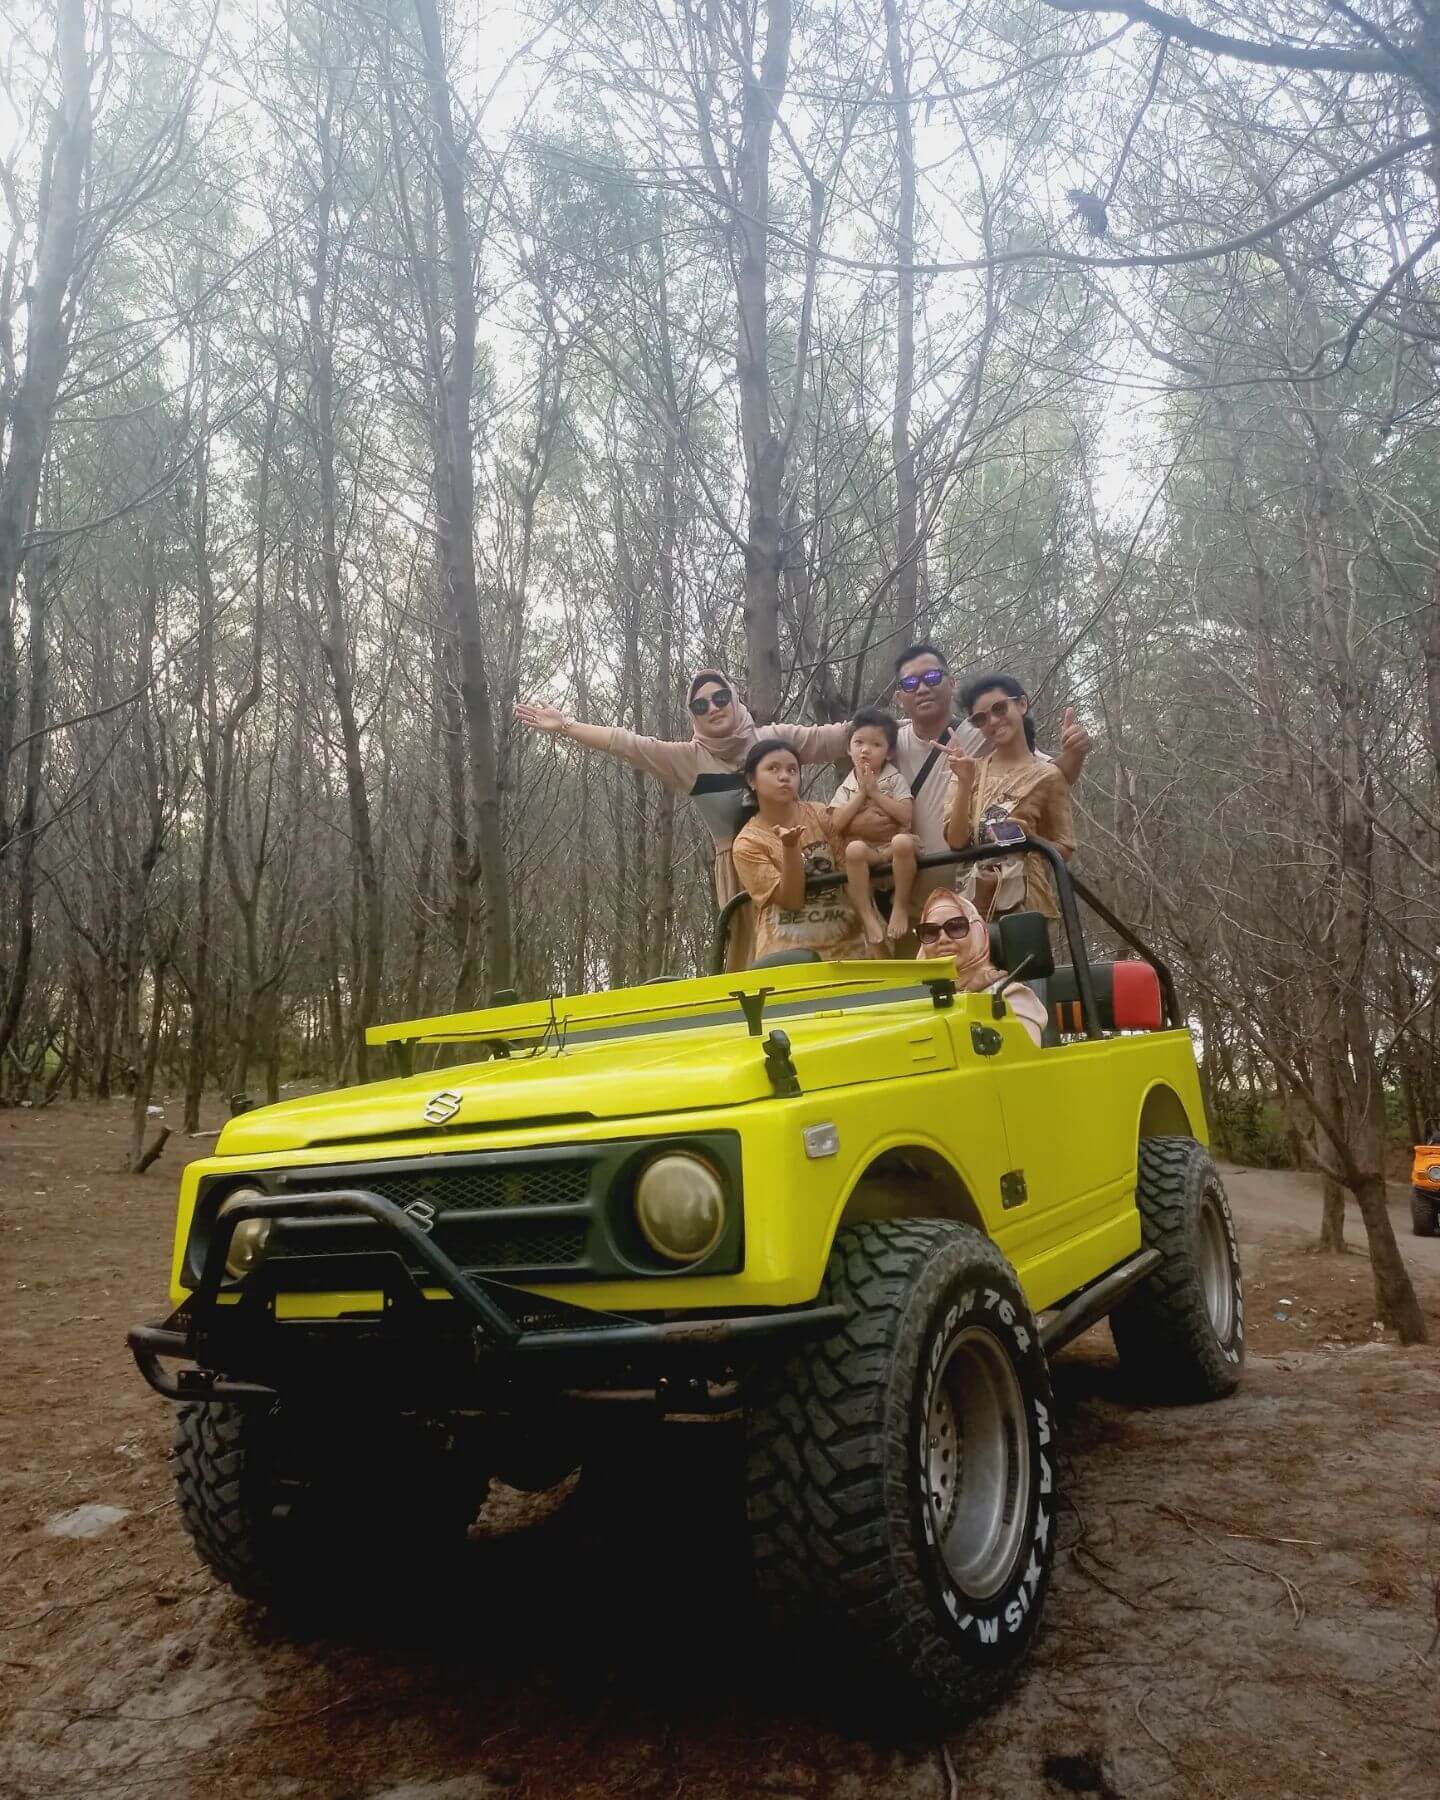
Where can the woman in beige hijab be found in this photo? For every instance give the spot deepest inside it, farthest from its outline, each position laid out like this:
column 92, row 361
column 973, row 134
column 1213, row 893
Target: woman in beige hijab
column 707, row 767
column 950, row 926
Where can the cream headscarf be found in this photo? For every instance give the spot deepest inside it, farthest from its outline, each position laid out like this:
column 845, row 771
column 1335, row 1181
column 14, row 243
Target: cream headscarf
column 734, row 747
column 974, row 971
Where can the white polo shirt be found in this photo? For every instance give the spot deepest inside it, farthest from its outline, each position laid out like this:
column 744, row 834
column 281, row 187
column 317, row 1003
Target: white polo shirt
column 910, row 755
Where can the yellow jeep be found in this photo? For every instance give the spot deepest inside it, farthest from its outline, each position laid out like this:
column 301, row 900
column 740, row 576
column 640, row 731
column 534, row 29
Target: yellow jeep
column 844, row 1206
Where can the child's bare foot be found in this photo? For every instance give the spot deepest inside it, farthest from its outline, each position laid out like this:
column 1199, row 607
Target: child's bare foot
column 873, row 925
column 899, row 925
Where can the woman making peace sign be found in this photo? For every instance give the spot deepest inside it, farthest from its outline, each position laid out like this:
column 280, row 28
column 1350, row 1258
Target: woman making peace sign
column 1011, row 785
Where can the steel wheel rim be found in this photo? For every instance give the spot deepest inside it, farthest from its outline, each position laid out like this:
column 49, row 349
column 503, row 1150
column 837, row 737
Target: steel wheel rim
column 978, row 1472
column 1215, row 1275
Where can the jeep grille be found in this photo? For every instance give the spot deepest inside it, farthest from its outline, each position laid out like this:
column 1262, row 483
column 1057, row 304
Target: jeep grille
column 483, row 1189
column 523, row 1215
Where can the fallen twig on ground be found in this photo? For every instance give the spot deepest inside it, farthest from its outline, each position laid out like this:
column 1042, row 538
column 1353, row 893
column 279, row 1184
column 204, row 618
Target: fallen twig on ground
column 1154, row 1736
column 1258, row 1537
column 947, row 1762
column 1076, row 1551
column 1255, row 1537
column 162, row 1137
column 1292, row 1592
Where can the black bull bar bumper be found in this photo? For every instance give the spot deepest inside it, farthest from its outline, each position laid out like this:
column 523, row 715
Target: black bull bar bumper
column 223, row 1345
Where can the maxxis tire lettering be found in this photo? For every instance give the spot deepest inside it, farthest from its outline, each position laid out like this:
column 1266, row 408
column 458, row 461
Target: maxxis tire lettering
column 987, row 1629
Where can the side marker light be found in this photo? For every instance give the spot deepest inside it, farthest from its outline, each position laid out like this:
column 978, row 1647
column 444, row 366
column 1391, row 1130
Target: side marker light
column 821, row 1140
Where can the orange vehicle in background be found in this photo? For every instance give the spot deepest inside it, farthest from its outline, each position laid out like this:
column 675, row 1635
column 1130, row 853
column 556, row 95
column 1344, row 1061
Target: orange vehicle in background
column 1425, row 1188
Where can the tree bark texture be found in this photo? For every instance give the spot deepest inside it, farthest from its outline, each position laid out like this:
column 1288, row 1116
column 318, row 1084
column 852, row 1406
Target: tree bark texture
column 907, row 493
column 764, row 442
column 334, row 636
column 453, row 382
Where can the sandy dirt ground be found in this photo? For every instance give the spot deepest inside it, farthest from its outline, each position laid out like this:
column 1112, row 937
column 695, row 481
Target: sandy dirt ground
column 1247, row 1599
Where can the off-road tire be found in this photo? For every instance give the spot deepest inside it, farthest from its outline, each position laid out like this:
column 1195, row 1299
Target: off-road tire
column 289, row 1510
column 1425, row 1212
column 846, row 1475
column 1181, row 1332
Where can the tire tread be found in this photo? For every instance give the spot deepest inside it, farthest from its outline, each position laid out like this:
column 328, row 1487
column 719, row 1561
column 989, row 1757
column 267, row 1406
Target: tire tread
column 825, row 1462
column 1163, row 1329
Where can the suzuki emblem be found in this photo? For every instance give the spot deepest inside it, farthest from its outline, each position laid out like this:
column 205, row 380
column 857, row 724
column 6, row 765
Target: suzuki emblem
column 442, row 1106
column 422, row 1212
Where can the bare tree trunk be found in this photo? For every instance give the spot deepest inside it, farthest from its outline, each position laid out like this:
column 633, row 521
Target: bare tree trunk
column 67, row 155
column 425, row 869
column 453, row 383
column 662, row 905
column 206, row 723
column 246, row 893
column 632, row 792
column 1327, row 1098
column 761, row 433
column 463, row 938
column 335, row 641
column 1432, row 667
column 145, row 1071
column 66, row 158
column 907, row 493
column 1362, row 1156
column 22, row 838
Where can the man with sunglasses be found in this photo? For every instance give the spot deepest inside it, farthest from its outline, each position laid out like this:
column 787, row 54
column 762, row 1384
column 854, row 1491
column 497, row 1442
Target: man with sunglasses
column 925, row 695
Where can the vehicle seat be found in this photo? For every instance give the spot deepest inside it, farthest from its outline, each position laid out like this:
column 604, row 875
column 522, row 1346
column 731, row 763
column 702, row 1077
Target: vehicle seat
column 783, row 959
column 1127, row 994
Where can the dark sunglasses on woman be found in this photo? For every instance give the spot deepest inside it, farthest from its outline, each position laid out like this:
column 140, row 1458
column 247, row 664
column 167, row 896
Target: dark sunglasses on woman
column 702, row 703
column 997, row 710
column 926, row 678
column 929, row 931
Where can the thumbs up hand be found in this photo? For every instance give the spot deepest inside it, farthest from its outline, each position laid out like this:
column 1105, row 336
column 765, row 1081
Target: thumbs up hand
column 1073, row 735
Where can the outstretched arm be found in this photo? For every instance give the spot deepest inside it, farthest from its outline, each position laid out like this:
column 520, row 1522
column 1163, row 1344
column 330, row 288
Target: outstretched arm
column 555, row 723
column 674, row 764
column 813, row 743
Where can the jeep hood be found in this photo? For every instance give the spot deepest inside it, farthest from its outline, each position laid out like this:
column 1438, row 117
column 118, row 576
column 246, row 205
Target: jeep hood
column 610, row 1078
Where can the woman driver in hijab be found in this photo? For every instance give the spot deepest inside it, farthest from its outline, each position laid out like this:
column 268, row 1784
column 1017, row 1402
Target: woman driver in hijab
column 950, row 926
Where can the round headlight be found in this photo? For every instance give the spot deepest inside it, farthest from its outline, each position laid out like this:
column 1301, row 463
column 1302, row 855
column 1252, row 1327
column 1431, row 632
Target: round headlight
column 247, row 1245
column 680, row 1206
column 1433, row 1172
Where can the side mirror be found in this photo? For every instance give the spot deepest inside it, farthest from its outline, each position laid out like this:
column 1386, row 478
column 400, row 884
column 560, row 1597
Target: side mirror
column 1023, row 948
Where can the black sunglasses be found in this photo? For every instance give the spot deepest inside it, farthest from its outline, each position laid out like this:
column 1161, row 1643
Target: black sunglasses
column 926, row 678
column 996, row 710
column 701, row 704
column 956, row 926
